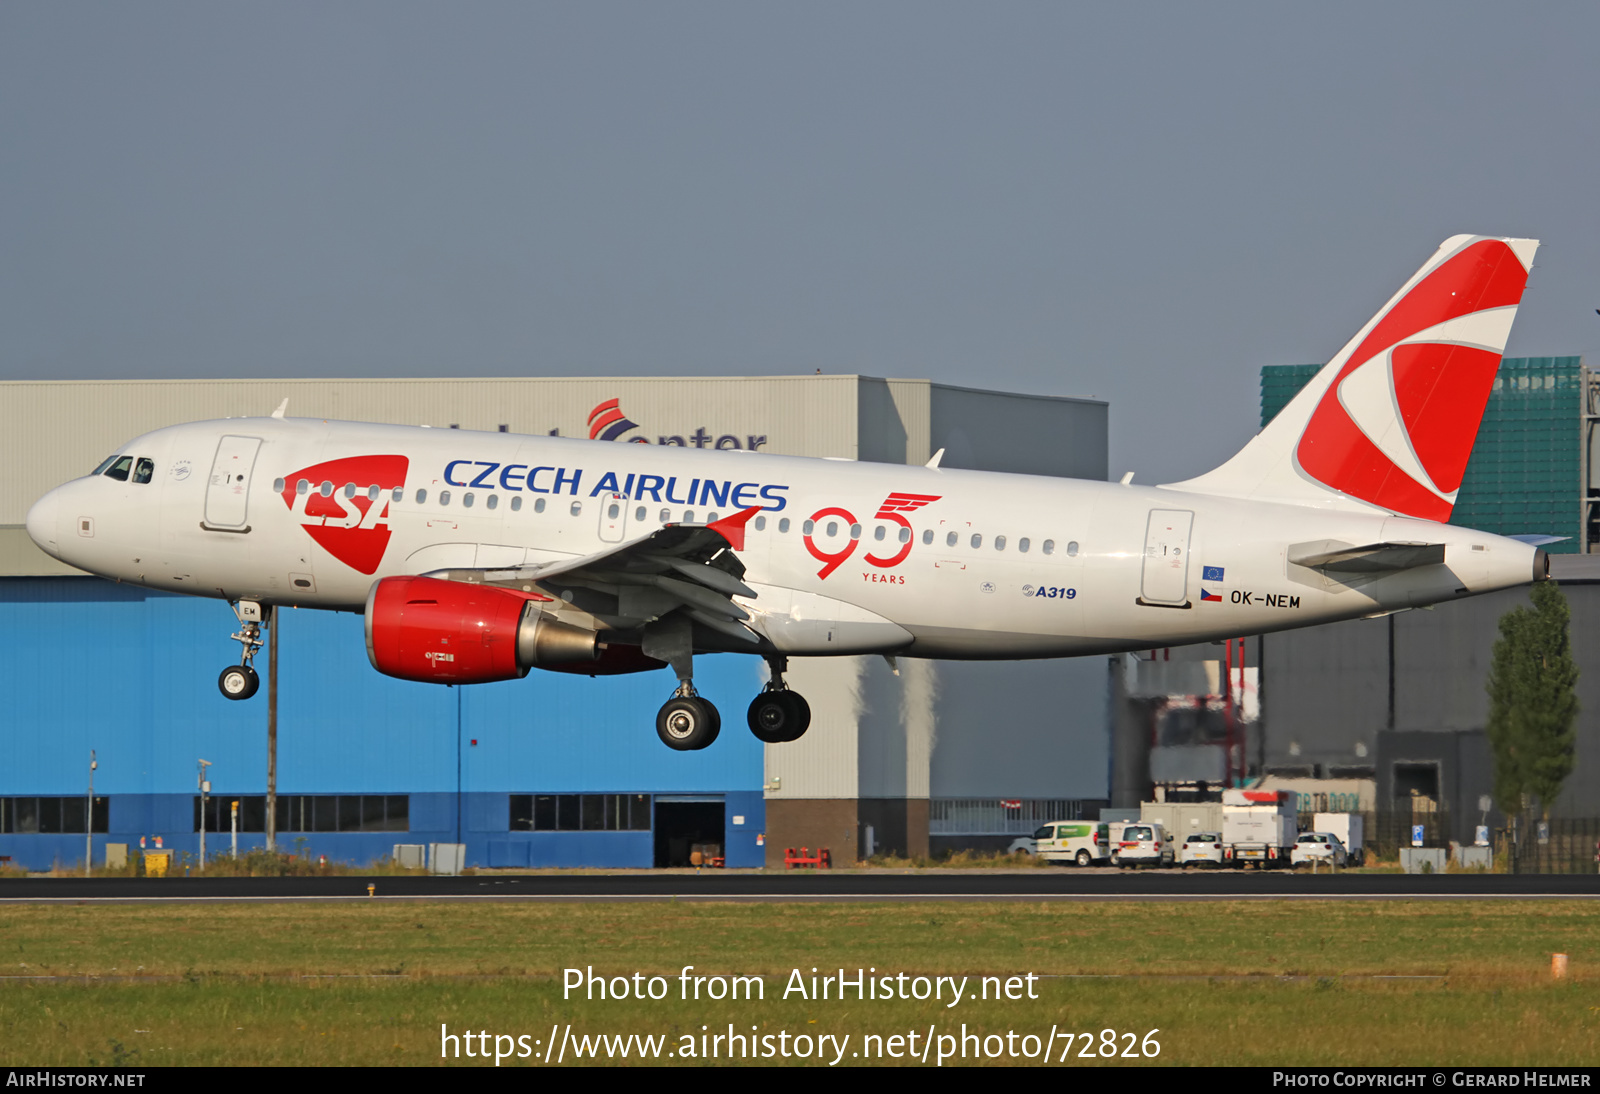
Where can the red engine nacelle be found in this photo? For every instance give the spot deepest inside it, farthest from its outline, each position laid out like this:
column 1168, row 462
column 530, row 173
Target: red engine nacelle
column 422, row 628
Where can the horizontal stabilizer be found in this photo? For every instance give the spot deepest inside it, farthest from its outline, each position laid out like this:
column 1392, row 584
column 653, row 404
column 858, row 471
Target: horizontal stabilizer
column 1330, row 556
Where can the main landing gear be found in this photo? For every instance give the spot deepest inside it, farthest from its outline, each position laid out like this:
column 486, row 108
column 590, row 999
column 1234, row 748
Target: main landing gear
column 687, row 722
column 779, row 715
column 240, row 681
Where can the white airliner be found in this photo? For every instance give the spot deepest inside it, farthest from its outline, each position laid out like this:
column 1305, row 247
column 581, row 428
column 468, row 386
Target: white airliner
column 478, row 556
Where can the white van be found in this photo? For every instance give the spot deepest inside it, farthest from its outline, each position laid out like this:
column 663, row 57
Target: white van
column 1144, row 843
column 1079, row 842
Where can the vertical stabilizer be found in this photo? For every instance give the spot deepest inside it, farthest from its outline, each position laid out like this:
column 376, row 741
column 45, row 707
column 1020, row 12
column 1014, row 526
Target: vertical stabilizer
column 1388, row 424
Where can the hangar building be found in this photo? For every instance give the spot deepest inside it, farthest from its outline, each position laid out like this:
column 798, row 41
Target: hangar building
column 554, row 769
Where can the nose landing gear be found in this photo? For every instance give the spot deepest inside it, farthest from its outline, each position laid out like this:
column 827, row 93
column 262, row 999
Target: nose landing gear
column 779, row 715
column 241, row 681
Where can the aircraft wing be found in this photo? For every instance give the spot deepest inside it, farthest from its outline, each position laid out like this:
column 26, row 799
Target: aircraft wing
column 688, row 568
column 1330, row 556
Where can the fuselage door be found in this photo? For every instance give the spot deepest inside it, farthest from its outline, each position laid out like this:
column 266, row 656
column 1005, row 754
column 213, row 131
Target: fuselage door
column 1166, row 557
column 613, row 518
column 228, row 491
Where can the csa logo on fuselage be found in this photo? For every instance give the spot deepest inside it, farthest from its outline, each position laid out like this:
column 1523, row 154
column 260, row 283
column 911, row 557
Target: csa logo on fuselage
column 344, row 506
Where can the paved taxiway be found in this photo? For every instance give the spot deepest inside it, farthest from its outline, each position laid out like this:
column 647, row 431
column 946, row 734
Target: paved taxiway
column 1028, row 885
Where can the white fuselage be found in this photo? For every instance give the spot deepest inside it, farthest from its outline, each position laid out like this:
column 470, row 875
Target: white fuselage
column 991, row 566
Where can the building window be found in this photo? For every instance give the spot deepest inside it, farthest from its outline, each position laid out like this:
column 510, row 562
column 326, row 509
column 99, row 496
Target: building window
column 309, row 812
column 51, row 816
column 580, row 812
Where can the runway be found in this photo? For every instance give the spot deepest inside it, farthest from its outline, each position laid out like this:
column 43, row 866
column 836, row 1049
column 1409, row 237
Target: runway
column 841, row 886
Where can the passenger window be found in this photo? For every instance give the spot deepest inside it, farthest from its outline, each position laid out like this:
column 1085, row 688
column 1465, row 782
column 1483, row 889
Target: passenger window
column 422, row 496
column 120, row 469
column 516, row 504
column 538, row 505
column 688, row 516
column 349, row 489
column 905, row 535
column 613, row 511
column 927, row 536
column 783, row 525
column 977, row 540
column 577, row 508
column 999, row 543
column 278, row 486
column 950, row 540
column 326, row 489
column 466, row 500
column 855, row 531
column 638, row 514
column 711, row 518
column 1072, row 549
column 666, row 516
column 808, row 527
column 879, row 532
column 444, row 497
column 1022, row 544
column 493, row 502
column 399, row 494
column 1049, row 547
column 144, row 470
column 373, row 492
column 761, row 524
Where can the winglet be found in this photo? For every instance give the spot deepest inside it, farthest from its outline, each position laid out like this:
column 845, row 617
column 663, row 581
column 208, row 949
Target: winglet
column 283, row 406
column 937, row 456
column 731, row 527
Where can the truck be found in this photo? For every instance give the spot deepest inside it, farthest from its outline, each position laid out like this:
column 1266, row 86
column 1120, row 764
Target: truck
column 1258, row 827
column 1348, row 827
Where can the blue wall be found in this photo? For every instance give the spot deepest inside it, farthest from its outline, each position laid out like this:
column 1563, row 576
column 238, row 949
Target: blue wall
column 87, row 664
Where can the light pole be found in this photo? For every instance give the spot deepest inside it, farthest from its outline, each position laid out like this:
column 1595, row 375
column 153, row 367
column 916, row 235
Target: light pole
column 234, row 827
column 205, row 788
column 88, row 824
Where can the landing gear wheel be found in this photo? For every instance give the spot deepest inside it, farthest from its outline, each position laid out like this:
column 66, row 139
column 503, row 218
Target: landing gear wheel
column 238, row 682
column 1083, row 858
column 688, row 723
column 777, row 717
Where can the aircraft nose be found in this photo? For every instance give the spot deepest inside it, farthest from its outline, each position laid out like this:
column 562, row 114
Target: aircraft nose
column 43, row 521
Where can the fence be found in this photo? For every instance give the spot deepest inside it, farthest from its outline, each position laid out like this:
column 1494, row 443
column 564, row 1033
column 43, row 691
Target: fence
column 996, row 816
column 1563, row 846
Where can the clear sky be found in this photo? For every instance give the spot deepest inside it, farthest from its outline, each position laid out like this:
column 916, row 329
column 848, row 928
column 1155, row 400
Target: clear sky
column 1142, row 203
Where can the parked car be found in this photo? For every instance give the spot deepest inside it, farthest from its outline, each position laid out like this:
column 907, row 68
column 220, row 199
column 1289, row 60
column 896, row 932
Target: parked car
column 1201, row 849
column 1146, row 843
column 1318, row 847
column 1081, row 843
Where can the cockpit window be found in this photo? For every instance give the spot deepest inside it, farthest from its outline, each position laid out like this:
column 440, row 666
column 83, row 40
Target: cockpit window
column 105, row 463
column 144, row 470
column 119, row 468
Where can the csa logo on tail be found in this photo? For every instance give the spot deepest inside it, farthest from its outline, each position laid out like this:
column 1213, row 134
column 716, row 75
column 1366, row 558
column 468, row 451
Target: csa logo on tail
column 1396, row 425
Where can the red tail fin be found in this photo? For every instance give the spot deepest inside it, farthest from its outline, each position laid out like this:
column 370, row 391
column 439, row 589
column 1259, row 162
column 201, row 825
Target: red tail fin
column 1390, row 421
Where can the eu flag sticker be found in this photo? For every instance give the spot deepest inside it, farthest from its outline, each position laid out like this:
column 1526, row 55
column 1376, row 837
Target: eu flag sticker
column 1211, row 573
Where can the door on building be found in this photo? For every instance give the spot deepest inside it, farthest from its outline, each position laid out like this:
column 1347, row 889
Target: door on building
column 684, row 824
column 1166, row 558
column 228, row 490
